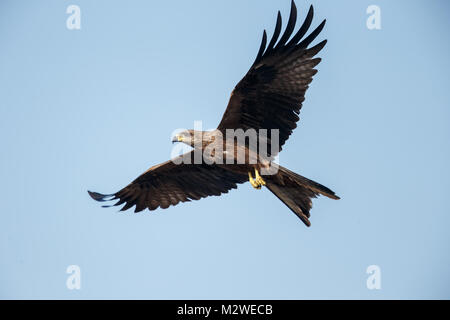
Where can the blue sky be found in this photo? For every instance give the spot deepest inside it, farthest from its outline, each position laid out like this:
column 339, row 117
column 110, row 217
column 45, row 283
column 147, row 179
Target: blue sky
column 94, row 108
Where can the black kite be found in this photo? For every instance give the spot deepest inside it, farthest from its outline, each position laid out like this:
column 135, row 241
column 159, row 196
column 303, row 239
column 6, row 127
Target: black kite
column 269, row 96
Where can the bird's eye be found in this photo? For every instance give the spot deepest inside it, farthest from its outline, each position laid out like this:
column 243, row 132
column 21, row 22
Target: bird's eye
column 180, row 138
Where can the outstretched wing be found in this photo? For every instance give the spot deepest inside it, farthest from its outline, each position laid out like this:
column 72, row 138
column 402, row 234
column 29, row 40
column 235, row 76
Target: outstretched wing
column 169, row 183
column 271, row 94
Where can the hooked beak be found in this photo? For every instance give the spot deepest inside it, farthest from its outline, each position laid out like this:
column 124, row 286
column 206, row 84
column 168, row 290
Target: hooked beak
column 177, row 138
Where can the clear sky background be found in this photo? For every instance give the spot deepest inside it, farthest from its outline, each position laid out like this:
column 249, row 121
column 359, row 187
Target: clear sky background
column 94, row 108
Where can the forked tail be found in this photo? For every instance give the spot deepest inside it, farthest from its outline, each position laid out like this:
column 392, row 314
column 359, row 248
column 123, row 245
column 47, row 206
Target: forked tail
column 296, row 191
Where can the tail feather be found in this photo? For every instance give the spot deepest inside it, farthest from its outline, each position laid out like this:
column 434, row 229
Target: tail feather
column 296, row 192
column 315, row 186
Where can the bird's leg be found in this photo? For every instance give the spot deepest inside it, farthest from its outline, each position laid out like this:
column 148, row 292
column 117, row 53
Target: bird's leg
column 254, row 184
column 259, row 179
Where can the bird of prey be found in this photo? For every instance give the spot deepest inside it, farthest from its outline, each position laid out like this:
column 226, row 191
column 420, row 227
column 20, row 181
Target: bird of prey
column 269, row 97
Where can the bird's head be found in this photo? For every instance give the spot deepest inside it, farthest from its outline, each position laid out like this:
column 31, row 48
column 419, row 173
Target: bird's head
column 186, row 137
column 194, row 138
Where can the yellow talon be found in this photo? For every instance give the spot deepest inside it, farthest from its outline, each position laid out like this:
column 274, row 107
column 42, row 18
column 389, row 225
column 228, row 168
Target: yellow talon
column 259, row 179
column 253, row 182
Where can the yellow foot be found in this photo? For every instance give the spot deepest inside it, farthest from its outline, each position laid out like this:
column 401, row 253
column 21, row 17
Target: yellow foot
column 259, row 179
column 253, row 182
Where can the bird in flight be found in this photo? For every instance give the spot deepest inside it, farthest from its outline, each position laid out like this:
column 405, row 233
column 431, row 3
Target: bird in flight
column 268, row 99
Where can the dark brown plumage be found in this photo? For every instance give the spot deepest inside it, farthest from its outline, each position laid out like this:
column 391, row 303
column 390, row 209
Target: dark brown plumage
column 168, row 184
column 269, row 96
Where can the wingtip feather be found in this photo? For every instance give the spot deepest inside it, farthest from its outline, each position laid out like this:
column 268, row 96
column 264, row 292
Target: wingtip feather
column 100, row 197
